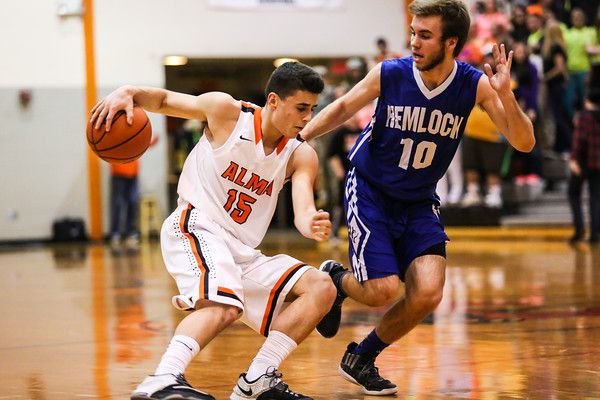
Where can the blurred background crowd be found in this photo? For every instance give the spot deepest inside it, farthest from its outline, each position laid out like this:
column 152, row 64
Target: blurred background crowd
column 556, row 45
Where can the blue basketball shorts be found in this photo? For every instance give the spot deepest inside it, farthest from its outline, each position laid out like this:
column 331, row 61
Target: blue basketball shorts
column 385, row 234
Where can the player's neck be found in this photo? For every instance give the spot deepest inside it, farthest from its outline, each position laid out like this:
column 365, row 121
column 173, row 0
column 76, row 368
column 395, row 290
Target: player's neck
column 270, row 135
column 438, row 74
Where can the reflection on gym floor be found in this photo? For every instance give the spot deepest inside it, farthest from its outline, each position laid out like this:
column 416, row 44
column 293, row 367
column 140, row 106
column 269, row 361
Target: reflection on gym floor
column 520, row 318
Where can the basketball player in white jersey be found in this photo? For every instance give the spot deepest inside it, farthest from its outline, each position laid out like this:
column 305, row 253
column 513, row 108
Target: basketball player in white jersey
column 227, row 195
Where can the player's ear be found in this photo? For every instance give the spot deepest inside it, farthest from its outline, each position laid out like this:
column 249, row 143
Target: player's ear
column 273, row 100
column 451, row 42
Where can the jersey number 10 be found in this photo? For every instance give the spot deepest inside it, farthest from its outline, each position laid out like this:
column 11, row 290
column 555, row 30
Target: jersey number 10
column 423, row 154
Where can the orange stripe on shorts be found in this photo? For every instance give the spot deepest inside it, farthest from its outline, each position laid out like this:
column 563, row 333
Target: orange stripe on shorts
column 195, row 246
column 274, row 296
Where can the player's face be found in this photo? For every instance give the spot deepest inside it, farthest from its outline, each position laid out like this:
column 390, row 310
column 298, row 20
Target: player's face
column 291, row 114
column 428, row 48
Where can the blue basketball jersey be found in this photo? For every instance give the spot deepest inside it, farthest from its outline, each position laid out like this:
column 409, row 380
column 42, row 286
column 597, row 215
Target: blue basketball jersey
column 415, row 131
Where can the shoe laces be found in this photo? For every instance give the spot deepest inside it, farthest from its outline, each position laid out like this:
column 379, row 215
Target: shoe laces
column 372, row 372
column 181, row 380
column 275, row 376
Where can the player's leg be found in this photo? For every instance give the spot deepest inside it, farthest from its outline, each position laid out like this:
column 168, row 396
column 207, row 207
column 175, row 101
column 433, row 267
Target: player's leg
column 209, row 284
column 574, row 194
column 594, row 194
column 117, row 205
column 455, row 175
column 284, row 301
column 193, row 333
column 310, row 298
column 424, row 287
column 371, row 252
column 133, row 204
column 379, row 261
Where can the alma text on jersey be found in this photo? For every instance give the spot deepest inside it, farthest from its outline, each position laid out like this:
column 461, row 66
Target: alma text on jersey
column 408, row 118
column 254, row 182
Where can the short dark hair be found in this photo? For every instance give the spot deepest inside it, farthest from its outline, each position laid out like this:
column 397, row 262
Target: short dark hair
column 455, row 18
column 293, row 76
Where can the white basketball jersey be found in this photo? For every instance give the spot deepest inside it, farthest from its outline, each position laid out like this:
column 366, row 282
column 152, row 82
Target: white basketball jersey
column 237, row 185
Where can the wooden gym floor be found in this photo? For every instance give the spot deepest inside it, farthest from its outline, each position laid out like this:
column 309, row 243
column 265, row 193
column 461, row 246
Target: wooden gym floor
column 520, row 319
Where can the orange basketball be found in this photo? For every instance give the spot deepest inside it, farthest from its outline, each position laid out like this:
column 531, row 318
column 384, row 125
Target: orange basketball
column 123, row 143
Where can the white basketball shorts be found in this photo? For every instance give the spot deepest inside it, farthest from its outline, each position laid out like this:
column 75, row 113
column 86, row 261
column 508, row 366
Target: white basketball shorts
column 207, row 262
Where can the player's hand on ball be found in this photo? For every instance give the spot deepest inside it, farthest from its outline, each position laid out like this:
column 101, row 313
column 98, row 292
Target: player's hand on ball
column 320, row 226
column 105, row 110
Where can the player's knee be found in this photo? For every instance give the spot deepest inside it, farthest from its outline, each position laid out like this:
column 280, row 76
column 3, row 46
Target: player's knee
column 428, row 298
column 381, row 298
column 228, row 315
column 382, row 292
column 323, row 288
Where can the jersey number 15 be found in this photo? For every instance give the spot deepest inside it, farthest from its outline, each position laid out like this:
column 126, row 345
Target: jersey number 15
column 242, row 209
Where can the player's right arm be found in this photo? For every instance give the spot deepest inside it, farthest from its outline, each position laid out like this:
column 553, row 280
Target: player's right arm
column 346, row 106
column 211, row 107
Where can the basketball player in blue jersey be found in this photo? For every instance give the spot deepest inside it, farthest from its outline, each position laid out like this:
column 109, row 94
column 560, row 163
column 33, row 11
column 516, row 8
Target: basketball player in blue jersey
column 392, row 209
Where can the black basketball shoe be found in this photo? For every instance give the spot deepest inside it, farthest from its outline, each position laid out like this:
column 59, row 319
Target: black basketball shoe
column 268, row 386
column 168, row 387
column 360, row 369
column 330, row 324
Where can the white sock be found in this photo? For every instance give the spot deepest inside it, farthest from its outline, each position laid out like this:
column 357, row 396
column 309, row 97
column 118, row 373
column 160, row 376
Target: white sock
column 272, row 353
column 495, row 189
column 179, row 353
column 473, row 188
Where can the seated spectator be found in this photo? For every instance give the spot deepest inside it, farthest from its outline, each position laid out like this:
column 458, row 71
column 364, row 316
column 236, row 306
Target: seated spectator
column 383, row 52
column 472, row 51
column 488, row 18
column 450, row 188
column 483, row 151
column 519, row 31
column 526, row 78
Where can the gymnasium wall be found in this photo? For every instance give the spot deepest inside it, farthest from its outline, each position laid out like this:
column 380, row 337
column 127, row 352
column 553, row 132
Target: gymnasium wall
column 43, row 170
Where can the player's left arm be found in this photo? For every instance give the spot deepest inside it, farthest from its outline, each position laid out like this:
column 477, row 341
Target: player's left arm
column 495, row 95
column 310, row 222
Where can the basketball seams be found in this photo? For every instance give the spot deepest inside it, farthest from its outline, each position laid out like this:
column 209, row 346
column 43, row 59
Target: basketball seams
column 134, row 139
column 128, row 139
column 132, row 158
column 117, row 116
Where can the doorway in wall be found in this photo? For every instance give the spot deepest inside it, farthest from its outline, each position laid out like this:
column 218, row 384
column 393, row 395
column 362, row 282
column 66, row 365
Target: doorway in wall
column 244, row 79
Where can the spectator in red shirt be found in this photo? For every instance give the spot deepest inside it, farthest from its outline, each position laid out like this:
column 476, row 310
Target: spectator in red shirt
column 585, row 165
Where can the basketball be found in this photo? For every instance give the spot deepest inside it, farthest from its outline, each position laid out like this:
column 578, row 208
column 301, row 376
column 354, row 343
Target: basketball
column 124, row 143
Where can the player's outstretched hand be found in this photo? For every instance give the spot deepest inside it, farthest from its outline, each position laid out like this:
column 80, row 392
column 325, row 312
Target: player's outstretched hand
column 500, row 81
column 105, row 110
column 320, row 226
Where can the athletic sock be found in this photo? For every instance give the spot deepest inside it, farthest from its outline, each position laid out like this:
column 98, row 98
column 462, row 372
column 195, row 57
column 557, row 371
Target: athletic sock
column 473, row 188
column 372, row 344
column 272, row 353
column 337, row 282
column 179, row 353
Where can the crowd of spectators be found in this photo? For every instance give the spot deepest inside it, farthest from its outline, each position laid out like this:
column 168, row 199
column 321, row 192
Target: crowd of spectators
column 556, row 46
